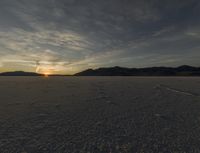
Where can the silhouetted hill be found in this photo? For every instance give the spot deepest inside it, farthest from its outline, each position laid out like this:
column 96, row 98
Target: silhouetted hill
column 184, row 70
column 19, row 73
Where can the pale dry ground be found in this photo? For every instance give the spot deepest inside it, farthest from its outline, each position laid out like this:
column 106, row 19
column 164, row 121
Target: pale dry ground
column 99, row 115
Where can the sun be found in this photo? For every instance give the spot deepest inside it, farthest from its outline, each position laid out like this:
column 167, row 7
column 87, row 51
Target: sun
column 46, row 74
column 45, row 71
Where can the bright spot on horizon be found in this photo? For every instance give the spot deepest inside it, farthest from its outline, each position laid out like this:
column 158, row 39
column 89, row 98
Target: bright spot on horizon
column 46, row 74
column 46, row 70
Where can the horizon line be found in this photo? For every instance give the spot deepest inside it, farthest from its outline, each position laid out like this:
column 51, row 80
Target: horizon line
column 57, row 74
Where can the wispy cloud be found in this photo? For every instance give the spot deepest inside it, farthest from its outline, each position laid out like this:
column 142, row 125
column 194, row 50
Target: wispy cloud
column 66, row 36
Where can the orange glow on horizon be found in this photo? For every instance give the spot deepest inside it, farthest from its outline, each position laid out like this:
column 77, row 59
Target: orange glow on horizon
column 46, row 74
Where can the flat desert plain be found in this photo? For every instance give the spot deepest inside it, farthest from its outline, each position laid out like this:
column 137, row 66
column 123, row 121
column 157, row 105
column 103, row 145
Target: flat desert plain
column 99, row 114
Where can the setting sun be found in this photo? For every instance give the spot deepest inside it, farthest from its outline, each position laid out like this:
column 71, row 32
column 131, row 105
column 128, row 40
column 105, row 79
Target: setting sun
column 46, row 71
column 46, row 74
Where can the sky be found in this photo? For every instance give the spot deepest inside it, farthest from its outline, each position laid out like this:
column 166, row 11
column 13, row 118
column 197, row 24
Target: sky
column 68, row 36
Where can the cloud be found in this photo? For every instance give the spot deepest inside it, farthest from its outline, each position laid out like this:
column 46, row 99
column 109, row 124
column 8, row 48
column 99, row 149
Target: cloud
column 67, row 36
column 37, row 46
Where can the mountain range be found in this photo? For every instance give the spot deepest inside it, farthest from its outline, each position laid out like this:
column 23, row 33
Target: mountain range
column 20, row 73
column 183, row 70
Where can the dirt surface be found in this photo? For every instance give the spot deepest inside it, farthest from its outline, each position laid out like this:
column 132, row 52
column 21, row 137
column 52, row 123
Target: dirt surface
column 99, row 115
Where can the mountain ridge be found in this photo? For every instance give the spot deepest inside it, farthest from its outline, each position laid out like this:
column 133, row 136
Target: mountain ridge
column 184, row 70
column 20, row 73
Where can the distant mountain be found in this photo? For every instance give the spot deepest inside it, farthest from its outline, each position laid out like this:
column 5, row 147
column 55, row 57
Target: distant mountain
column 20, row 73
column 184, row 70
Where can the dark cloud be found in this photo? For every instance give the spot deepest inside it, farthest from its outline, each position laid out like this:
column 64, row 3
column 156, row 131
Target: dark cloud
column 70, row 35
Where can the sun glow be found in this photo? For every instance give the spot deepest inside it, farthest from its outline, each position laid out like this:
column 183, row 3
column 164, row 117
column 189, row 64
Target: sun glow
column 46, row 74
column 46, row 71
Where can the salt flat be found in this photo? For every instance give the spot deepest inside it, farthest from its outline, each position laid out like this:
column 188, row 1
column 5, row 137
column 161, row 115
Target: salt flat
column 99, row 114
